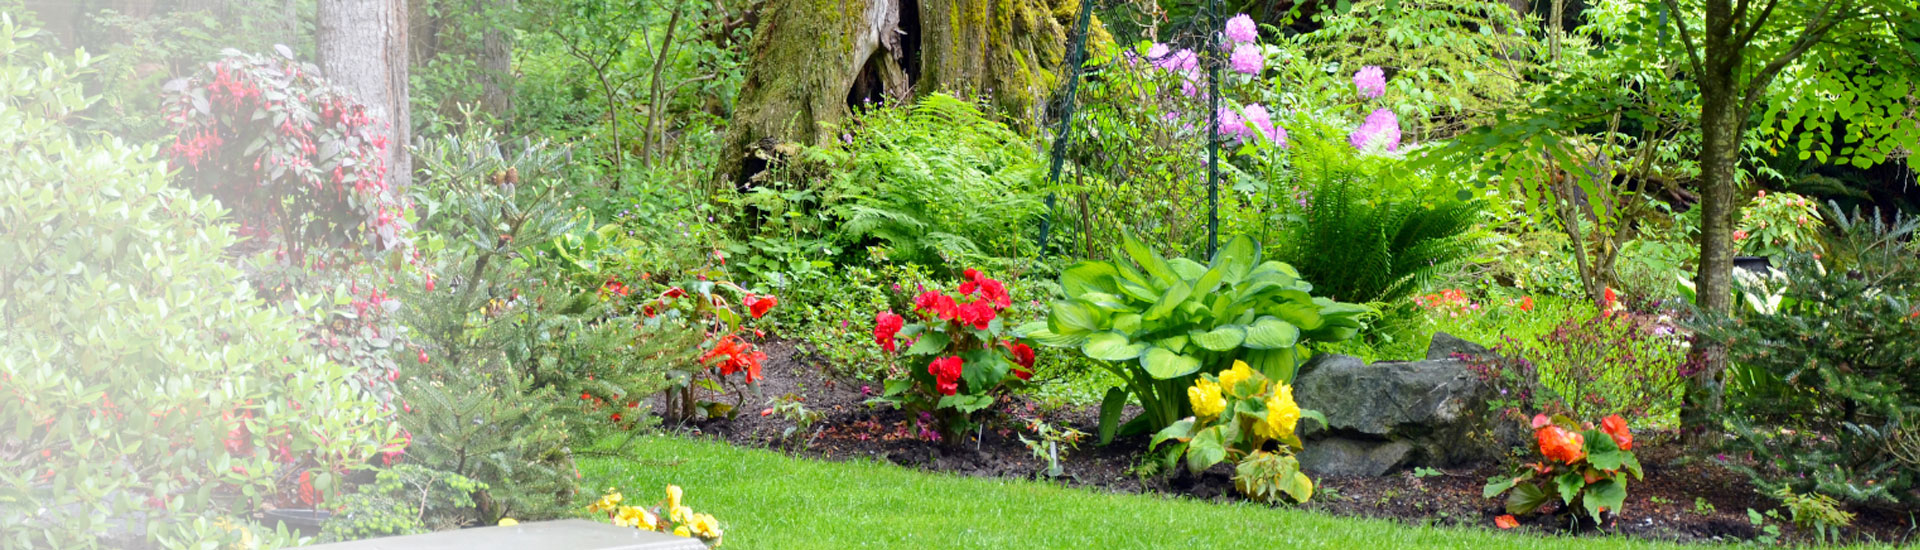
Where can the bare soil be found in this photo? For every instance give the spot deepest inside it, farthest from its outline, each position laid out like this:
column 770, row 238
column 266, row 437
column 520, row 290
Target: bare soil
column 1684, row 498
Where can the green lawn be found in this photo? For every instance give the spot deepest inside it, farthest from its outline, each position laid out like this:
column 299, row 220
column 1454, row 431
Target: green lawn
column 769, row 500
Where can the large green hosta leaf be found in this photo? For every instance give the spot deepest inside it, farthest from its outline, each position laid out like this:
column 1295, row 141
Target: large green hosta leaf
column 1089, row 276
column 1072, row 319
column 1164, row 364
column 1236, row 259
column 1270, row 332
column 1225, row 338
column 1175, row 295
column 1155, row 266
column 1038, row 332
column 1112, row 346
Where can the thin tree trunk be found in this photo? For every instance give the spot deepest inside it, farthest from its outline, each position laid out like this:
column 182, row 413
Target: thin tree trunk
column 1721, row 123
column 654, row 107
column 362, row 46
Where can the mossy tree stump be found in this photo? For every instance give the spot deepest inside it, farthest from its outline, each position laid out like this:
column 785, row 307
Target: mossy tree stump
column 813, row 61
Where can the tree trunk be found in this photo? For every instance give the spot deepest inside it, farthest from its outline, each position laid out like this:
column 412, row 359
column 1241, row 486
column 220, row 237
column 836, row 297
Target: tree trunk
column 496, row 64
column 1722, row 121
column 362, row 46
column 814, row 60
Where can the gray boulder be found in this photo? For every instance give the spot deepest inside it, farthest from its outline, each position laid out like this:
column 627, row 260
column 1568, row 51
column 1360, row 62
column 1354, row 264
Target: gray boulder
column 1390, row 415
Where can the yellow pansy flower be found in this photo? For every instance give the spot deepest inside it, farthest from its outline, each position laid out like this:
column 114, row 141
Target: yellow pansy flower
column 635, row 517
column 1232, row 377
column 706, row 526
column 1206, row 399
column 607, row 502
column 673, row 496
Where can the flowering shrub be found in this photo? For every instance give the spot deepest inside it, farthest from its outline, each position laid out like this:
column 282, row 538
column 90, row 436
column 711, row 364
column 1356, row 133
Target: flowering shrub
column 302, row 166
column 1236, row 415
column 667, row 516
column 969, row 355
column 1586, row 467
column 145, row 388
column 1776, row 224
column 723, row 310
column 1452, row 302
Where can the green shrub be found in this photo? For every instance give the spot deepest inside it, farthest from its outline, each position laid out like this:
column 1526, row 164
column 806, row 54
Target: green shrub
column 1159, row 324
column 405, row 499
column 146, row 387
column 1823, row 383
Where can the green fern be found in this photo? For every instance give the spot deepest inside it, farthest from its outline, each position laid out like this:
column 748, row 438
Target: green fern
column 939, row 182
column 1361, row 250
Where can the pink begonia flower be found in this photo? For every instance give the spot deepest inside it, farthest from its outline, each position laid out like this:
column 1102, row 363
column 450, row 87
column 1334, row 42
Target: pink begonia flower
column 1247, row 59
column 1242, row 30
column 1370, row 81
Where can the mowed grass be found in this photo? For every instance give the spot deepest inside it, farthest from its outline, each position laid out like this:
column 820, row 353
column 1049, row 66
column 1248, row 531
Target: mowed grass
column 769, row 500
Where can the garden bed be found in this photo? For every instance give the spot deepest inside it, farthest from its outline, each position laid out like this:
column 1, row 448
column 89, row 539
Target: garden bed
column 1681, row 499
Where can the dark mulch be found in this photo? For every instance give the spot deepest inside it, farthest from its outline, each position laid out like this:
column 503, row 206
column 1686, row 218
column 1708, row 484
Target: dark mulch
column 1662, row 507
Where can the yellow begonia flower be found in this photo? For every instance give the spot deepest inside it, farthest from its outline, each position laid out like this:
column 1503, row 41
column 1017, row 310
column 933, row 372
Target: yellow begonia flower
column 1232, row 377
column 1206, row 399
column 508, row 522
column 635, row 517
column 680, row 514
column 681, row 531
column 1282, row 414
column 673, row 496
column 607, row 502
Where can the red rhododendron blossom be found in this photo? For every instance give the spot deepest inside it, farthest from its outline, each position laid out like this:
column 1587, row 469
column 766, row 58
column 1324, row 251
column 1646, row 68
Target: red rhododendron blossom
column 886, row 325
column 1561, row 444
column 946, row 374
column 1616, row 428
column 759, row 305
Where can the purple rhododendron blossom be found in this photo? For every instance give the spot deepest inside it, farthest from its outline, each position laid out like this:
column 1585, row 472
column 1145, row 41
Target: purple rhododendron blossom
column 1183, row 60
column 1247, row 59
column 1242, row 30
column 1231, row 125
column 1191, row 83
column 1381, row 128
column 1157, row 53
column 1370, row 81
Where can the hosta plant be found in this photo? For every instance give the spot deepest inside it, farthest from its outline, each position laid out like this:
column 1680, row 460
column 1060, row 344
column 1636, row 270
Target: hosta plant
column 1236, row 416
column 1159, row 324
column 1586, row 468
column 959, row 355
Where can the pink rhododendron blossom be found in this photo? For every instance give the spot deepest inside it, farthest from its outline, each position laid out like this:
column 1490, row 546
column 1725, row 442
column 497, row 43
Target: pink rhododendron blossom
column 1231, row 125
column 1382, row 129
column 1370, row 81
column 1242, row 30
column 1247, row 59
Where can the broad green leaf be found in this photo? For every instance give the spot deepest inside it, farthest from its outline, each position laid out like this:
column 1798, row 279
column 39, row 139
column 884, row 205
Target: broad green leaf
column 1206, row 449
column 1208, row 281
column 983, row 370
column 1526, row 498
column 1297, row 485
column 1037, row 332
column 1569, row 485
column 1225, row 338
column 1605, row 495
column 965, row 403
column 1155, row 265
column 1179, row 431
column 1270, row 332
column 1304, row 315
column 932, row 341
column 1111, row 406
column 1112, row 346
column 1237, row 257
column 1089, row 276
column 1163, row 364
column 1072, row 319
column 1139, row 292
column 1127, row 323
column 1173, row 298
column 1499, row 485
column 1278, row 364
column 1186, row 269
